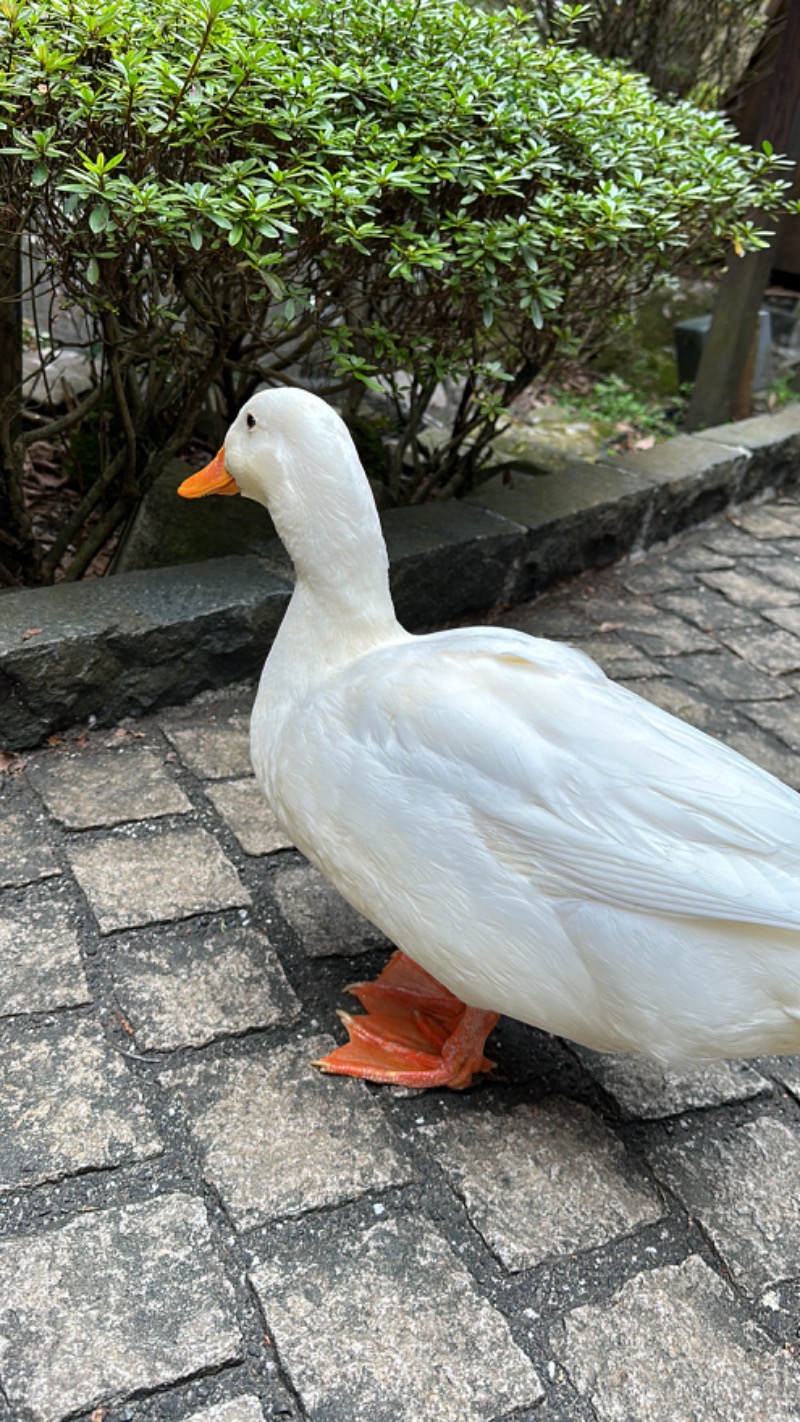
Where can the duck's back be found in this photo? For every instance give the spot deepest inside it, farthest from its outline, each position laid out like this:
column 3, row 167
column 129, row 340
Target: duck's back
column 550, row 845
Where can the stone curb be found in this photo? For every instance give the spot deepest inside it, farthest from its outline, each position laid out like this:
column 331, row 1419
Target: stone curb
column 141, row 640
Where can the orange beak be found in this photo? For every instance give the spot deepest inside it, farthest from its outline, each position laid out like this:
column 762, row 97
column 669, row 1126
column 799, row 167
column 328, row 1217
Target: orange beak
column 214, row 479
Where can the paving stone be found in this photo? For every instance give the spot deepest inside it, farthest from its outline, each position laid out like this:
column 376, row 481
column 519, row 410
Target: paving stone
column 279, row 1137
column 244, row 809
column 108, row 788
column 559, row 1181
column 386, row 1324
column 183, row 989
column 68, row 1104
column 646, row 1090
column 40, row 961
column 785, row 571
column 652, row 575
column 786, row 617
column 694, row 558
column 740, row 1182
column 660, row 633
column 321, row 918
column 131, row 880
column 116, row 1301
column 781, row 719
column 748, row 589
column 708, row 610
column 779, row 763
column 214, row 750
column 670, row 1345
column 727, row 539
column 618, row 660
column 770, row 520
column 673, row 697
column 787, row 1070
column 240, row 1409
column 729, row 677
column 25, row 855
column 775, row 652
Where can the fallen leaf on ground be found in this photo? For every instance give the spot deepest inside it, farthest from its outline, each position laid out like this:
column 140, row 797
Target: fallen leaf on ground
column 31, row 632
column 11, row 762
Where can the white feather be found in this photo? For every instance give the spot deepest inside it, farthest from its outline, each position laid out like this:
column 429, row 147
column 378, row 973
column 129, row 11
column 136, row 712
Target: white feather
column 544, row 842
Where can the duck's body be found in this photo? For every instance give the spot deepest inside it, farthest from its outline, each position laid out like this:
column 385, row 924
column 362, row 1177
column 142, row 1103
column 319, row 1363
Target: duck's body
column 541, row 841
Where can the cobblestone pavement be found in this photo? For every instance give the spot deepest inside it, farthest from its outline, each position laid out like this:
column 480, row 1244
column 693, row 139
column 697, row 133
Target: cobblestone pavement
column 196, row 1224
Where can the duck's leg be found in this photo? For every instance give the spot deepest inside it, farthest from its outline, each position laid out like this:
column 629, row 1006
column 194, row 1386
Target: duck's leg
column 414, row 1032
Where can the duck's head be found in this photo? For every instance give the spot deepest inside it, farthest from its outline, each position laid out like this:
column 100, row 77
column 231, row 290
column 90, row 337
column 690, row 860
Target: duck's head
column 274, row 438
column 290, row 451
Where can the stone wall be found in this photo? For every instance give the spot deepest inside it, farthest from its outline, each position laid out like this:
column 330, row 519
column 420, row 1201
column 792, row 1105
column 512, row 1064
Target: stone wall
column 125, row 645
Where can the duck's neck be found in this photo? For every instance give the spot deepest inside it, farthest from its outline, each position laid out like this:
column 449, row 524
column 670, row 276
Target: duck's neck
column 341, row 606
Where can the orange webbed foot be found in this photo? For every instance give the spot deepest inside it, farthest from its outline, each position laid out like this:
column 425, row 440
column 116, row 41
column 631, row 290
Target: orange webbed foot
column 414, row 1032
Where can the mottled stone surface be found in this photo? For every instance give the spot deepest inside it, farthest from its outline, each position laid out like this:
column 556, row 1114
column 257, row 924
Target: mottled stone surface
column 787, row 1070
column 749, row 589
column 245, row 811
column 239, row 1409
column 678, row 700
column 25, row 854
column 732, row 679
column 741, row 1183
column 708, row 610
column 108, row 788
column 131, row 880
column 324, row 922
column 448, row 556
column 182, row 989
column 387, row 1325
column 771, row 717
column 620, row 661
column 68, row 1103
column 670, row 1345
column 213, row 748
column 112, row 647
column 779, row 520
column 643, row 1088
column 786, row 617
column 660, row 634
column 40, row 961
column 773, row 758
column 120, row 1301
column 773, row 652
column 279, row 1137
column 559, row 1181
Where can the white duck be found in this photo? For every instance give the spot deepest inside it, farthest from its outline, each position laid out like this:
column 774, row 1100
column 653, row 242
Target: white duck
column 539, row 840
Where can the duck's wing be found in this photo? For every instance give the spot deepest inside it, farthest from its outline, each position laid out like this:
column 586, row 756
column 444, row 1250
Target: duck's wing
column 575, row 783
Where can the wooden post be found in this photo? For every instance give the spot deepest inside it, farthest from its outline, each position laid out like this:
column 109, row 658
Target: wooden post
column 13, row 531
column 718, row 390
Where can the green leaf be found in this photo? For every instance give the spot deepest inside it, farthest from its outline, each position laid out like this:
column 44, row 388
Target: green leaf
column 98, row 218
column 92, row 271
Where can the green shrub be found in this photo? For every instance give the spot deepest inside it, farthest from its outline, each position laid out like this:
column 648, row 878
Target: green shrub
column 399, row 191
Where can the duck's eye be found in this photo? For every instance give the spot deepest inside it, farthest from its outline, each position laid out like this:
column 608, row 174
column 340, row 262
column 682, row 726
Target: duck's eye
column 251, row 421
